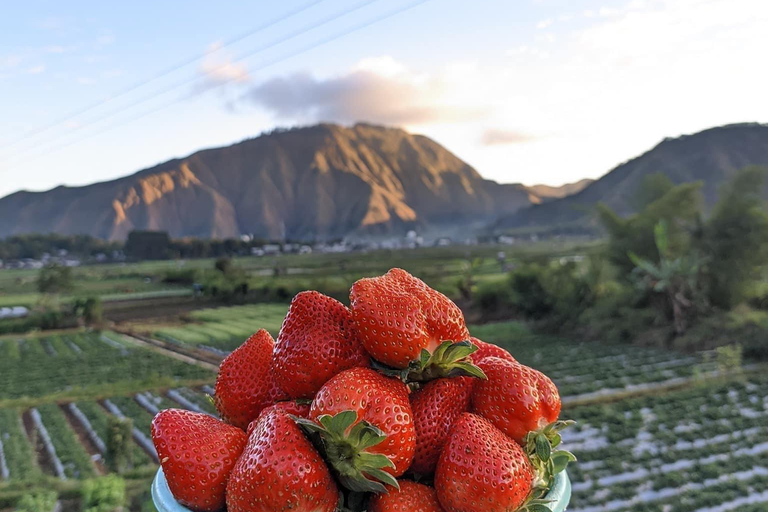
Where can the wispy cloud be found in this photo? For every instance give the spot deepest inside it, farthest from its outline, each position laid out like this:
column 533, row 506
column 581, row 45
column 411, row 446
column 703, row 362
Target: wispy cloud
column 35, row 70
column 544, row 23
column 218, row 68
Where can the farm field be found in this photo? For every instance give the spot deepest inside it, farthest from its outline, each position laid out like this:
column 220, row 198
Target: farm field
column 696, row 450
column 439, row 265
column 67, row 441
column 84, row 365
column 224, row 328
column 703, row 449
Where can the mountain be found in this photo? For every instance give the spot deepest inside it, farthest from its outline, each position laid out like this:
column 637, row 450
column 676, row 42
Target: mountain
column 314, row 182
column 711, row 156
column 542, row 193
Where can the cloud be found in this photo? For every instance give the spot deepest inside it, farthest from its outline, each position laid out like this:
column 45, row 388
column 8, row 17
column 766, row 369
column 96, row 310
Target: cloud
column 499, row 137
column 10, row 61
column 35, row 70
column 218, row 68
column 376, row 90
column 544, row 23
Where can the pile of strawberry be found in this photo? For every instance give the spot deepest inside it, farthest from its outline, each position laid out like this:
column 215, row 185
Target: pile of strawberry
column 388, row 405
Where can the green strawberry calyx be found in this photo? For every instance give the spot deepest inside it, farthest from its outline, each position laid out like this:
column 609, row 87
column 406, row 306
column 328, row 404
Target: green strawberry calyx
column 540, row 446
column 344, row 442
column 449, row 359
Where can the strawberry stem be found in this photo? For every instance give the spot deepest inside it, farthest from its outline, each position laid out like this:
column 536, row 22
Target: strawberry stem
column 540, row 447
column 344, row 442
column 448, row 360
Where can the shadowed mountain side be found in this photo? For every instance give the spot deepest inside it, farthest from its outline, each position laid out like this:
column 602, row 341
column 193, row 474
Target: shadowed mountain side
column 711, row 156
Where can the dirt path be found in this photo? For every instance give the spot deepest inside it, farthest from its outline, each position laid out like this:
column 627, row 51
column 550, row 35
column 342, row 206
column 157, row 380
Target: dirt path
column 96, row 457
column 187, row 357
column 43, row 462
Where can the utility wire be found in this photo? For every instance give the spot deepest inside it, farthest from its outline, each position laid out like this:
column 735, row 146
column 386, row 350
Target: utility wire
column 191, row 60
column 224, row 82
column 182, row 83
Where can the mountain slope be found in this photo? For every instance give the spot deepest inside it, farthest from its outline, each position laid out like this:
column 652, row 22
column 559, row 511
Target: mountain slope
column 711, row 156
column 319, row 181
column 547, row 192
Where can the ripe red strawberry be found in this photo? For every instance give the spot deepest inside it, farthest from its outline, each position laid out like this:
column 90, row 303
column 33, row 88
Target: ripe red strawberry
column 489, row 350
column 481, row 469
column 436, row 407
column 318, row 339
column 245, row 384
column 398, row 316
column 411, row 497
column 366, row 423
column 197, row 453
column 280, row 470
column 294, row 408
column 515, row 398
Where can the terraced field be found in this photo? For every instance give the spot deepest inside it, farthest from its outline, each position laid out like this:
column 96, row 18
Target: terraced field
column 84, row 364
column 702, row 449
column 68, row 441
column 225, row 329
column 591, row 371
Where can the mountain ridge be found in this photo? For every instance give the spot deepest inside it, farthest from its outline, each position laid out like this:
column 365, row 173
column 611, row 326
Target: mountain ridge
column 318, row 181
column 710, row 156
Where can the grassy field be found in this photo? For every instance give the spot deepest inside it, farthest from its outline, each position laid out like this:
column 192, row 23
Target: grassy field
column 440, row 265
column 80, row 365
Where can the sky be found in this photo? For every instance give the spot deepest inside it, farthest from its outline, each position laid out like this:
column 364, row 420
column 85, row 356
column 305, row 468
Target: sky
column 530, row 91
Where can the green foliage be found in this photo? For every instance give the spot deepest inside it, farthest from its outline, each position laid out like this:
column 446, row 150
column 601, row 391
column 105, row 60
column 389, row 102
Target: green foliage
column 560, row 290
column 36, row 245
column 55, row 279
column 40, row 501
column 147, row 245
column 676, row 278
column 679, row 207
column 89, row 309
column 119, row 456
column 38, row 321
column 106, row 494
column 736, row 238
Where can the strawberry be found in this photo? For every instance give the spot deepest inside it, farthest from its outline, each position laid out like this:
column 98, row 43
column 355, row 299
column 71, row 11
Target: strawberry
column 245, row 384
column 411, row 497
column 280, row 470
column 405, row 324
column 482, row 470
column 318, row 339
column 436, row 407
column 366, row 424
column 294, row 408
column 197, row 453
column 515, row 398
column 489, row 350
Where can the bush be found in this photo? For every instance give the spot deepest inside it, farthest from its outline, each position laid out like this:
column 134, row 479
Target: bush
column 184, row 276
column 38, row 321
column 42, row 501
column 106, row 494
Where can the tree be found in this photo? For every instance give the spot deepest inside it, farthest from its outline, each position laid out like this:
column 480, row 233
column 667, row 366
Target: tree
column 676, row 278
column 679, row 207
column 736, row 237
column 55, row 279
column 88, row 309
column 147, row 245
column 119, row 457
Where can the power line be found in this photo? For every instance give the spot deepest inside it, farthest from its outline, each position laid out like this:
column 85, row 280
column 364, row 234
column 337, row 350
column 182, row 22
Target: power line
column 304, row 49
column 162, row 74
column 182, row 83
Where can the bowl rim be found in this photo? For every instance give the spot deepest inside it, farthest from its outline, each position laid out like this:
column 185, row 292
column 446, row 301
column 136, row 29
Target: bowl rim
column 560, row 494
